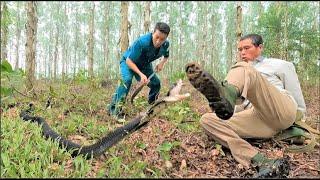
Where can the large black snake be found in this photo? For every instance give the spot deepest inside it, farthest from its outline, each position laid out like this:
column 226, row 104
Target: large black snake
column 111, row 138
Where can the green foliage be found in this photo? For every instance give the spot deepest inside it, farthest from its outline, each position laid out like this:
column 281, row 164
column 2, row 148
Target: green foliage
column 6, row 17
column 114, row 163
column 6, row 67
column 24, row 158
column 165, row 148
column 6, row 70
column 302, row 35
column 141, row 145
column 219, row 148
column 177, row 75
column 9, row 79
column 137, row 168
column 81, row 76
column 81, row 166
column 180, row 114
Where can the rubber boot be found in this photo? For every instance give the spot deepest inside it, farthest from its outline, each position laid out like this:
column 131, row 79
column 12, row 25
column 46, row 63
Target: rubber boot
column 270, row 168
column 221, row 96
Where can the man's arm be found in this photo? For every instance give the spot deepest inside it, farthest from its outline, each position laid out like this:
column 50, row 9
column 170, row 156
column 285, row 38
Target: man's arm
column 165, row 57
column 291, row 83
column 134, row 67
column 161, row 64
column 133, row 57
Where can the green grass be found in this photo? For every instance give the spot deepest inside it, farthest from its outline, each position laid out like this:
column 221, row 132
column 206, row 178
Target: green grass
column 26, row 154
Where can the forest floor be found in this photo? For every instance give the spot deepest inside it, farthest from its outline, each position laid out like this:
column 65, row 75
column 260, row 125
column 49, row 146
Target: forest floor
column 173, row 144
column 198, row 156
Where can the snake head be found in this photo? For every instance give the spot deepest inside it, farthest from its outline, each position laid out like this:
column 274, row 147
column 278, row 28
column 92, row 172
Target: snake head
column 174, row 92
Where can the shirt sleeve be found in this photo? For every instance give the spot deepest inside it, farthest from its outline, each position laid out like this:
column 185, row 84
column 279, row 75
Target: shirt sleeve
column 166, row 47
column 291, row 83
column 135, row 51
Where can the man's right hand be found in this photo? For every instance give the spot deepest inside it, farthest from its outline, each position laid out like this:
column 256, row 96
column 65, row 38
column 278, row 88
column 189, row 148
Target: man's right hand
column 143, row 79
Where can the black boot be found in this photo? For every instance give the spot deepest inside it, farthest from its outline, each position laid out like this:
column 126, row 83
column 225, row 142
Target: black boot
column 271, row 168
column 222, row 97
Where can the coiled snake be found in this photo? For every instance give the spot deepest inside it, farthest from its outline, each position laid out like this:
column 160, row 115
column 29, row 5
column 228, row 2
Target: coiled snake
column 111, row 138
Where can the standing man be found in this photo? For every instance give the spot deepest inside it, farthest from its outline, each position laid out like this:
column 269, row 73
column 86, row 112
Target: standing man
column 136, row 61
column 270, row 85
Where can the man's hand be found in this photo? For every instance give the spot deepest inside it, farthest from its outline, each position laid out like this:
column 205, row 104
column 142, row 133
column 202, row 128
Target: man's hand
column 143, row 79
column 159, row 67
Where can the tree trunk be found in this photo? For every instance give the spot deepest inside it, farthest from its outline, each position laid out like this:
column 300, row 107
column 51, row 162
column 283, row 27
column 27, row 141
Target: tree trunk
column 146, row 15
column 199, row 33
column 172, row 35
column 124, row 38
column 4, row 30
column 106, row 37
column 205, row 35
column 213, row 45
column 50, row 56
column 180, row 34
column 261, row 10
column 64, row 49
column 55, row 56
column 239, row 29
column 285, row 56
column 31, row 32
column 76, row 45
column 90, row 43
column 18, row 35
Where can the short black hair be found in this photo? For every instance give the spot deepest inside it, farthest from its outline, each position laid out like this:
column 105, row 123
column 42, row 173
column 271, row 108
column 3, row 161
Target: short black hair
column 162, row 27
column 256, row 39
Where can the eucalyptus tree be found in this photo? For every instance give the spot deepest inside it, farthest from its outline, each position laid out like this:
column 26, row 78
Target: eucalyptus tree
column 181, row 31
column 201, row 10
column 216, row 39
column 31, row 33
column 91, row 40
column 252, row 12
column 239, row 26
column 115, row 23
column 304, row 38
column 45, row 43
column 83, row 23
column 302, row 46
column 124, row 38
column 65, row 42
column 146, row 15
column 185, row 48
column 136, row 19
column 57, row 20
column 270, row 24
column 205, row 34
column 173, row 14
column 5, row 21
column 106, row 45
column 75, row 19
column 19, row 26
column 230, row 34
column 111, row 31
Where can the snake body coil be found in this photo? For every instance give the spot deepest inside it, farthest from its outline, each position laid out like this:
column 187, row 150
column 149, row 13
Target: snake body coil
column 95, row 149
column 111, row 138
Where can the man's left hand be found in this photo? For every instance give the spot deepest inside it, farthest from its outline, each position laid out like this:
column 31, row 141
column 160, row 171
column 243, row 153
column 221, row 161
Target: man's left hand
column 159, row 67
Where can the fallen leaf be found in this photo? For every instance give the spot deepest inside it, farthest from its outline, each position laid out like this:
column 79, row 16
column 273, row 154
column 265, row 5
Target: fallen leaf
column 61, row 117
column 183, row 164
column 215, row 152
column 168, row 164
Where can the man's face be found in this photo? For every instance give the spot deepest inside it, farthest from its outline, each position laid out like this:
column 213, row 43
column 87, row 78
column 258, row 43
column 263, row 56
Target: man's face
column 158, row 38
column 248, row 52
